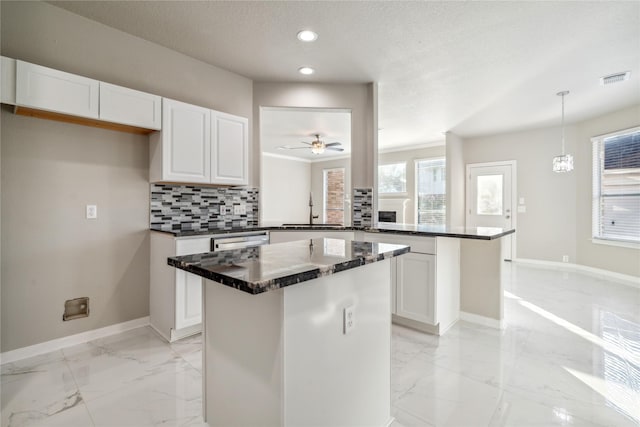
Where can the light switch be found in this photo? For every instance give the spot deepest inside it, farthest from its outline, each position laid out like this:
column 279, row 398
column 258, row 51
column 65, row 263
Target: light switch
column 92, row 211
column 521, row 201
column 522, row 209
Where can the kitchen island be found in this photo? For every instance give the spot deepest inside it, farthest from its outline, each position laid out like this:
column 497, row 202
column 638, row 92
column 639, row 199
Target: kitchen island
column 297, row 333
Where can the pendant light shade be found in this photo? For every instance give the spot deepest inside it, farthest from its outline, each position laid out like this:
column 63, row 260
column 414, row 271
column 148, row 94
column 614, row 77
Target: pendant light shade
column 563, row 162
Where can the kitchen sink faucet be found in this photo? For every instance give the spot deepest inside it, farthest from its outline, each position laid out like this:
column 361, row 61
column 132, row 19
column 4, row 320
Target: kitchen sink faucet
column 311, row 215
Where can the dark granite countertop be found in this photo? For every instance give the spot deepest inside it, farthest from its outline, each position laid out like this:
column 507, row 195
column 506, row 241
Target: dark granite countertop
column 269, row 267
column 480, row 233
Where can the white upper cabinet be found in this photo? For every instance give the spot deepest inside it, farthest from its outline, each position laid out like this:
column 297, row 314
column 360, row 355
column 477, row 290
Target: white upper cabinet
column 229, row 149
column 47, row 89
column 130, row 107
column 182, row 151
column 8, row 81
column 187, row 152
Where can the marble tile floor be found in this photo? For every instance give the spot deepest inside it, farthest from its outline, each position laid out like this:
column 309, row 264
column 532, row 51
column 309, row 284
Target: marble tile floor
column 569, row 356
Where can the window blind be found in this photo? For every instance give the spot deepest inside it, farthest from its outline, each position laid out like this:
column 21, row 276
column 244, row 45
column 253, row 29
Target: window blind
column 616, row 186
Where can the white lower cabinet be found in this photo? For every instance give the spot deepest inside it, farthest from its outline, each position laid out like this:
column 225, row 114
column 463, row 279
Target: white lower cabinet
column 415, row 287
column 425, row 283
column 175, row 295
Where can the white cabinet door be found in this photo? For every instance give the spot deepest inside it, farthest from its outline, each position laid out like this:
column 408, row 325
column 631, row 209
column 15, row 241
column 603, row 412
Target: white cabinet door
column 52, row 90
column 416, row 287
column 229, row 149
column 186, row 147
column 130, row 107
column 189, row 286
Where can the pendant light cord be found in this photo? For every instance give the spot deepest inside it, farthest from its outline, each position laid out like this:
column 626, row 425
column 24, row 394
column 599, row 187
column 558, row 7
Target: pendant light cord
column 563, row 124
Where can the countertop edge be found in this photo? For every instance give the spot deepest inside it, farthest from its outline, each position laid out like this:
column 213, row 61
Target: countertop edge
column 258, row 287
column 183, row 234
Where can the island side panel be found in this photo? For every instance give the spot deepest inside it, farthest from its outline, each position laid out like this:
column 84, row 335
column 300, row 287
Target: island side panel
column 481, row 286
column 242, row 369
column 447, row 283
column 331, row 378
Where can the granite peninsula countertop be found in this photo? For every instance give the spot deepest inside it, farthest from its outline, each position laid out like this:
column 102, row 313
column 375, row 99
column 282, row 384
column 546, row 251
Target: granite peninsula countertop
column 269, row 267
column 480, row 233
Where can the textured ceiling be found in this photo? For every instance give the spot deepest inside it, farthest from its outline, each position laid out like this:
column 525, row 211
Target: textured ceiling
column 472, row 68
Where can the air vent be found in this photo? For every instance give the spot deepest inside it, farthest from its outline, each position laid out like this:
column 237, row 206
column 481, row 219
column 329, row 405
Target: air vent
column 614, row 78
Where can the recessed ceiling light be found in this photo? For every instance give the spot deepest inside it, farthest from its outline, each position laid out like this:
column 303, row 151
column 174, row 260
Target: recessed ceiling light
column 307, row 36
column 306, row 70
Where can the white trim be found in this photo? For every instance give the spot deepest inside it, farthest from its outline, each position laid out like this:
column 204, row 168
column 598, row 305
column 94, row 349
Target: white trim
column 607, row 135
column 412, row 147
column 59, row 343
column 391, row 421
column 619, row 243
column 285, row 157
column 482, row 320
column 625, row 279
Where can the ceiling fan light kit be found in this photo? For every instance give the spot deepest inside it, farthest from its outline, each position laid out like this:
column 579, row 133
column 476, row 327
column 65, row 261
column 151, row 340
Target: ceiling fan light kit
column 317, row 147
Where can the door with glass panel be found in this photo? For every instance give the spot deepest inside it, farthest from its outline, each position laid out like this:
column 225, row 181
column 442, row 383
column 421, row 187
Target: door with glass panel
column 489, row 198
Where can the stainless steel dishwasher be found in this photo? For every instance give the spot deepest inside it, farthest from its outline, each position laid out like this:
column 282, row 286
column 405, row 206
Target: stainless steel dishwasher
column 235, row 241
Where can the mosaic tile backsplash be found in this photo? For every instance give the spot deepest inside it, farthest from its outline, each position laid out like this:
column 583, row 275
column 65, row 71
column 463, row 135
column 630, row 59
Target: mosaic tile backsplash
column 362, row 207
column 188, row 207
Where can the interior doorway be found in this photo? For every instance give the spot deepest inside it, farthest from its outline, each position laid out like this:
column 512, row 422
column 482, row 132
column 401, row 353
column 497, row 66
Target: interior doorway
column 490, row 199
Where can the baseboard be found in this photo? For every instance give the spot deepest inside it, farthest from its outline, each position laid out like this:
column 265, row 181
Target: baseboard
column 482, row 320
column 625, row 279
column 59, row 343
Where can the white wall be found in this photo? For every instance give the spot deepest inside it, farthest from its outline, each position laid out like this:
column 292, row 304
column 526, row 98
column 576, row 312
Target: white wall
column 50, row 170
column 408, row 156
column 285, row 190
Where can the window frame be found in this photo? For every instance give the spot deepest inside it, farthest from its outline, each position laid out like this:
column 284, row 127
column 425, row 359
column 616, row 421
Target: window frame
column 596, row 180
column 396, row 193
column 416, row 179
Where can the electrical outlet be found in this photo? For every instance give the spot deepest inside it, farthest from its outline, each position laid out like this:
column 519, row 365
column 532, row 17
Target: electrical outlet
column 348, row 319
column 92, row 211
column 239, row 209
column 565, row 258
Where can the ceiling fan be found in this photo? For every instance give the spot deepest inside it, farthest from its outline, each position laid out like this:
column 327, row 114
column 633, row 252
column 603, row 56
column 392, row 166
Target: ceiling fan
column 317, row 146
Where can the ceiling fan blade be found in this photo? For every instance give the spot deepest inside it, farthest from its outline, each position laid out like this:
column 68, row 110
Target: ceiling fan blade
column 288, row 147
column 308, row 143
column 332, row 144
column 335, row 149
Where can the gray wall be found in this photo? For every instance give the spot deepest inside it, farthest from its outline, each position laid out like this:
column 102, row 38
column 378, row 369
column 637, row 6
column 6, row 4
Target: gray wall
column 558, row 217
column 622, row 260
column 455, row 180
column 359, row 98
column 51, row 170
column 409, row 156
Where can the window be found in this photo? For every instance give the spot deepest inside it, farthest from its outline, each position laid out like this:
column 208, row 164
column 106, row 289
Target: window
column 392, row 178
column 430, row 191
column 616, row 186
column 333, row 212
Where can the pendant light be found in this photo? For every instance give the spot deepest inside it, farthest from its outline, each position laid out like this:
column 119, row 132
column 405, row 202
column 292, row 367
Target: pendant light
column 564, row 162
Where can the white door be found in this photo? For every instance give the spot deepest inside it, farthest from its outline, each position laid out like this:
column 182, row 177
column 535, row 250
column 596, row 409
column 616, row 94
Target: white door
column 490, row 198
column 186, row 142
column 229, row 149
